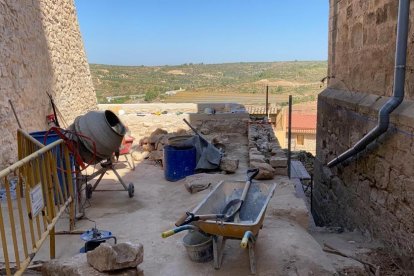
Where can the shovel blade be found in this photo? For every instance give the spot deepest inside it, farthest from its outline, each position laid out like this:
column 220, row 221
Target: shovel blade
column 231, row 209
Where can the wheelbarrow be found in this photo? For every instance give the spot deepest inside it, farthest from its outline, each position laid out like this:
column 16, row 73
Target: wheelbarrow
column 244, row 226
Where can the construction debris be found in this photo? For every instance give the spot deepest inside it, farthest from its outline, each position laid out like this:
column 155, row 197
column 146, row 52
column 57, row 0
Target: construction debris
column 78, row 266
column 229, row 165
column 265, row 152
column 151, row 147
column 201, row 181
column 108, row 257
column 370, row 268
column 265, row 170
column 139, row 155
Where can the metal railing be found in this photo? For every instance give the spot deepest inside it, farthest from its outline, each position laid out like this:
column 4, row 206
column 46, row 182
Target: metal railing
column 36, row 194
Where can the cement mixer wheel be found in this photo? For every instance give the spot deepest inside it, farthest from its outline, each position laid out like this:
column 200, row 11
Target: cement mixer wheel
column 131, row 190
column 88, row 191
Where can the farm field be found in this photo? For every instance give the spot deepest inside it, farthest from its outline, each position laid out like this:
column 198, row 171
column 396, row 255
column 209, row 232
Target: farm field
column 229, row 82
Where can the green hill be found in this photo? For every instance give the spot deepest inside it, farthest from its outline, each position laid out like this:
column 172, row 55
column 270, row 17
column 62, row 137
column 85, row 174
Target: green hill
column 149, row 83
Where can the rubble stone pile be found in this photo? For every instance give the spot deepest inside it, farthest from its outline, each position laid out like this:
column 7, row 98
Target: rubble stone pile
column 119, row 259
column 265, row 152
column 151, row 147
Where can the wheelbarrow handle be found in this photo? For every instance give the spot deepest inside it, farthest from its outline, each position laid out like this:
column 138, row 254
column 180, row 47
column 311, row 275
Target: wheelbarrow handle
column 248, row 235
column 176, row 230
column 190, row 217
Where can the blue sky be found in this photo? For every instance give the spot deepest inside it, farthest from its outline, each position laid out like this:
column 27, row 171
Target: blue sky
column 160, row 32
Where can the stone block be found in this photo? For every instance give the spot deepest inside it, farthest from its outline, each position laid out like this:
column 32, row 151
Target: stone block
column 156, row 134
column 373, row 195
column 108, row 257
column 258, row 158
column 382, row 197
column 278, row 152
column 205, row 131
column 382, row 173
column 281, row 171
column 229, row 165
column 78, row 266
column 139, row 155
column 254, row 150
column 265, row 170
column 278, row 162
column 148, row 147
column 156, row 155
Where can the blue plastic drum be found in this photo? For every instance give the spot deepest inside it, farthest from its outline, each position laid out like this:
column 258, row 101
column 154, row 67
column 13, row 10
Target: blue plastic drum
column 179, row 162
column 52, row 137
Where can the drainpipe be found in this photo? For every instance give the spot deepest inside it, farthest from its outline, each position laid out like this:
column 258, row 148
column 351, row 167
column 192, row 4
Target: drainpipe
column 398, row 90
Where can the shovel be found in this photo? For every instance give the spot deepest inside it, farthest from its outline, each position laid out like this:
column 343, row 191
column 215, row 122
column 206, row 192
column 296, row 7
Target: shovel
column 229, row 211
column 234, row 206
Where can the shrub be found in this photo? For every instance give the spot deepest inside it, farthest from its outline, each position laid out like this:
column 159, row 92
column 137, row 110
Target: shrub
column 150, row 96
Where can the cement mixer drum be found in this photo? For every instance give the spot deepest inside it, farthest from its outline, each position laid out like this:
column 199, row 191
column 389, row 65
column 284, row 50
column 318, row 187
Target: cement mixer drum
column 102, row 127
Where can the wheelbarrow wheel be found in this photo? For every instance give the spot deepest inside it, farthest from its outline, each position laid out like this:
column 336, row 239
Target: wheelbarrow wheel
column 131, row 190
column 88, row 191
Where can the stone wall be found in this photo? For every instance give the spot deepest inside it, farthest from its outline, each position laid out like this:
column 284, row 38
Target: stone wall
column 41, row 51
column 143, row 119
column 362, row 38
column 373, row 192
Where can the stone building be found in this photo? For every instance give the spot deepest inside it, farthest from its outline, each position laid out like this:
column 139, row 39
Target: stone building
column 41, row 51
column 374, row 191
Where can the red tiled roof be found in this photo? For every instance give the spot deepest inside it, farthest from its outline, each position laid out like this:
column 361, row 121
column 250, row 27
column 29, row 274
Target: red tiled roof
column 303, row 122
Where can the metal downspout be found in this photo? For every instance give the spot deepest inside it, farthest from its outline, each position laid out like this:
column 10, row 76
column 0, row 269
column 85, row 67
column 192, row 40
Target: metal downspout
column 398, row 90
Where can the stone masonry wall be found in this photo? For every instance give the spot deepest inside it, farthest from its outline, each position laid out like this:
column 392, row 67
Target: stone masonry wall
column 144, row 119
column 361, row 48
column 373, row 192
column 41, row 51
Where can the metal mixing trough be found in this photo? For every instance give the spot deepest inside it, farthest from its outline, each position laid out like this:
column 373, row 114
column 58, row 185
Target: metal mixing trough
column 246, row 224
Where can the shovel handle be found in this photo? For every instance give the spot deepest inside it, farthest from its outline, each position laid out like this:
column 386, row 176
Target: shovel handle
column 251, row 173
column 191, row 127
column 181, row 220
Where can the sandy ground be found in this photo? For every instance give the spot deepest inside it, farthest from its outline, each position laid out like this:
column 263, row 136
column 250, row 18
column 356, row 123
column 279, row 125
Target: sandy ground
column 283, row 247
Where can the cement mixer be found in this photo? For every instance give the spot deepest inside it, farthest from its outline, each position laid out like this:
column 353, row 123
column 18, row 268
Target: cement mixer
column 101, row 135
column 95, row 138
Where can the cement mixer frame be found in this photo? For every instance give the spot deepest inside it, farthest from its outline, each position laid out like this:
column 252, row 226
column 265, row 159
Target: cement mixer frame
column 93, row 138
column 106, row 166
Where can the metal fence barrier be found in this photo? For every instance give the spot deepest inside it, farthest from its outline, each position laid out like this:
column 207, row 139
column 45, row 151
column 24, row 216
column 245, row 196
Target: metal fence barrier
column 36, row 191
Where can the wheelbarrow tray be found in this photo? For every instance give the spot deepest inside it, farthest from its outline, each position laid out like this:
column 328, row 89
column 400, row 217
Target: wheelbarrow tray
column 250, row 216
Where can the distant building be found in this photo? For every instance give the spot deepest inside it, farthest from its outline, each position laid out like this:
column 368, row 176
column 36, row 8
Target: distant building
column 303, row 128
column 173, row 92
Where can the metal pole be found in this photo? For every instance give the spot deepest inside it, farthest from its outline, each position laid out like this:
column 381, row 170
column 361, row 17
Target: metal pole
column 311, row 197
column 289, row 134
column 15, row 115
column 267, row 101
